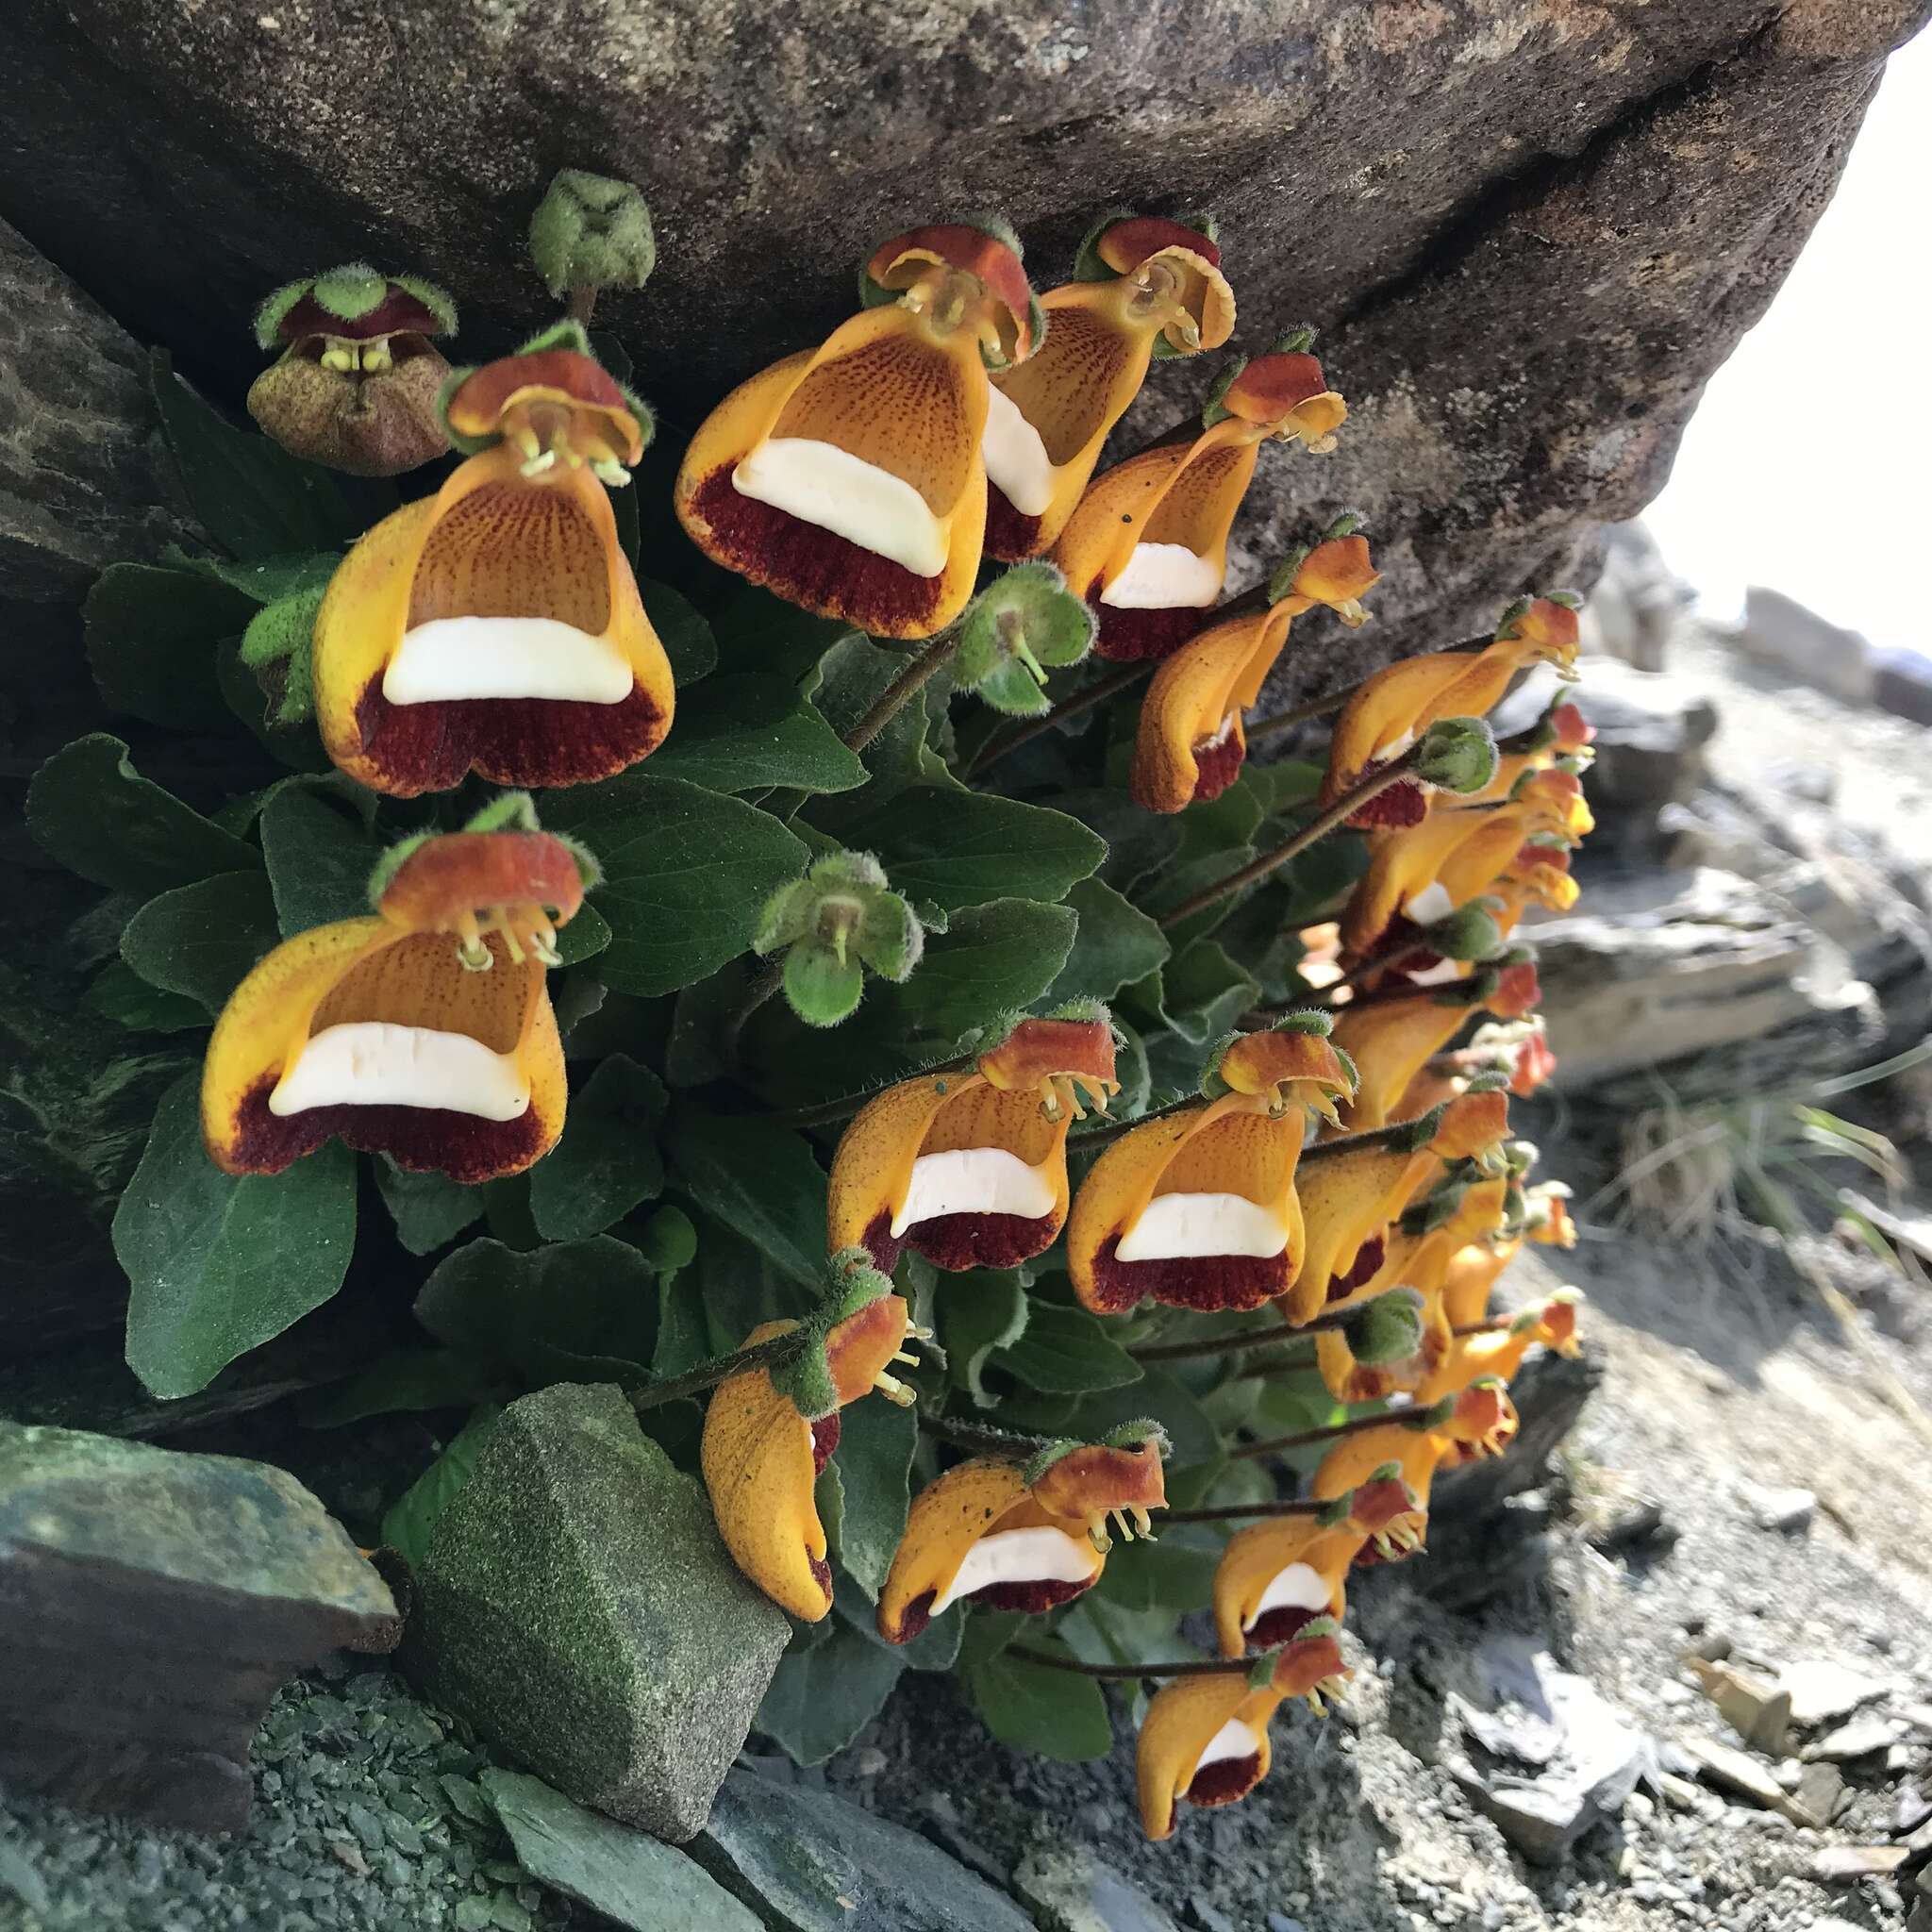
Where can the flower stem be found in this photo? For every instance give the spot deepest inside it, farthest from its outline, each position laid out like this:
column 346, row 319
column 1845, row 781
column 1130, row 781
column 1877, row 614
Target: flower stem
column 824, row 1112
column 1192, row 1667
column 721, row 1368
column 583, row 303
column 1234, row 1512
column 1082, row 700
column 1310, row 834
column 937, row 654
column 1275, row 1445
column 1231, row 1345
column 983, row 1442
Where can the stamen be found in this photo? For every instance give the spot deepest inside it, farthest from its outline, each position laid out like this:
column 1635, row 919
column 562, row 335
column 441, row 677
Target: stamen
column 377, row 357
column 609, row 471
column 475, row 955
column 907, row 1356
column 1098, row 1537
column 537, row 465
column 920, row 1332
column 896, row 1390
column 340, row 355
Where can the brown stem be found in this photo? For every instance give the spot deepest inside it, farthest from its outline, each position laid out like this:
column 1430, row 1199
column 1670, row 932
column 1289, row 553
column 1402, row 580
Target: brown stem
column 1493, row 1325
column 1310, row 708
column 1005, row 1443
column 937, row 654
column 1312, row 833
column 1231, row 1512
column 1356, row 1144
column 1192, row 1667
column 824, row 1112
column 583, row 303
column 760, row 1355
column 1263, row 1338
column 1275, row 1445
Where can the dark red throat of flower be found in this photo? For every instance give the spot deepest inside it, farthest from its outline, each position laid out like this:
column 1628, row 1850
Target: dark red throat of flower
column 424, row 1139
column 959, row 1242
column 1280, row 1626
column 522, row 742
column 1205, row 1283
column 1224, row 1781
column 807, row 565
column 825, row 1439
column 1134, row 637
column 1011, row 536
column 1368, row 1259
column 1217, row 766
column 1403, row 803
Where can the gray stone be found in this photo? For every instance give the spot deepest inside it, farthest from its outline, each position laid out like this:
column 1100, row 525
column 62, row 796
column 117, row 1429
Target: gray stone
column 806, row 1861
column 1070, row 1890
column 1823, row 1689
column 1638, row 600
column 1735, row 1771
column 1531, row 235
column 1779, row 632
column 1847, row 1864
column 1787, row 1510
column 84, row 478
column 1864, row 1737
column 625, row 1875
column 577, row 1606
column 1818, row 1797
column 150, row 1603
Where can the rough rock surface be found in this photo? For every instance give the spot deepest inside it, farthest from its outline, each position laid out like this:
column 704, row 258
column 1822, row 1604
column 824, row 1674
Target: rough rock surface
column 1531, row 230
column 576, row 1607
column 150, row 1605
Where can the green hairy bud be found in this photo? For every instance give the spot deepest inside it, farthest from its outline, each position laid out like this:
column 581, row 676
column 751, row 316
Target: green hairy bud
column 590, row 231
column 1387, row 1329
column 1456, row 754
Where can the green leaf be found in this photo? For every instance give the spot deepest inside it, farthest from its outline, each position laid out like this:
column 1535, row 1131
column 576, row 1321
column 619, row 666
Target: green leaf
column 248, row 493
column 991, row 959
column 200, row 940
column 1058, row 1714
column 1284, row 784
column 685, row 875
column 740, row 732
column 667, row 1241
column 1138, row 842
column 1168, row 1575
column 124, row 996
column 1158, row 1392
column 876, row 1439
column 1115, row 946
column 99, row 817
column 857, row 672
column 319, row 859
column 404, row 1379
column 823, row 1697
column 978, row 1312
column 584, row 937
column 686, row 637
column 684, row 1338
column 761, row 1180
column 428, row 1208
column 410, row 1519
column 151, row 634
column 574, row 1312
column 736, row 1286
column 608, row 1160
column 756, row 631
column 963, row 848
column 265, row 580
column 1200, row 994
column 219, row 1263
column 936, row 1647
column 1066, row 1351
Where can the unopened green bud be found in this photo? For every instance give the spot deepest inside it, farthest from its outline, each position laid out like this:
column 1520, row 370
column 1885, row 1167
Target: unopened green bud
column 277, row 646
column 821, row 988
column 1457, row 755
column 1470, row 932
column 1387, row 1329
column 592, row 231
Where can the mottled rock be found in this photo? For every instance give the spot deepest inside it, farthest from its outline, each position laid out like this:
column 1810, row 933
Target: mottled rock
column 577, row 1606
column 150, row 1603
column 1530, row 232
column 806, row 1861
column 625, row 1874
column 1071, row 1890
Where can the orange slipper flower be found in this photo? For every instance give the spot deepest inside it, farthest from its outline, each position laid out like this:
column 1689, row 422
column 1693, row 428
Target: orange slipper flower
column 1143, row 286
column 1275, row 1578
column 849, row 480
column 1494, row 1356
column 1197, row 1208
column 1190, row 743
column 1026, row 1537
column 1472, row 1273
column 423, row 1033
column 1563, row 735
column 1355, row 1371
column 1395, row 706
column 1205, row 1737
column 970, row 1170
column 1390, row 1039
column 770, row 1432
column 1147, row 547
column 495, row 626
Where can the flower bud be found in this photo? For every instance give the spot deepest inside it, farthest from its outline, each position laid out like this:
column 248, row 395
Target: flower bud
column 277, row 648
column 1470, row 932
column 592, row 232
column 1387, row 1329
column 1457, row 755
column 1019, row 626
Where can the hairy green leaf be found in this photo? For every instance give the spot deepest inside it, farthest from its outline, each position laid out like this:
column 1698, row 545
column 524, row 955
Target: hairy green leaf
column 760, row 1180
column 991, row 959
column 1114, row 946
column 1034, row 1708
column 406, row 1526
column 962, row 848
column 608, row 1160
column 200, row 940
column 741, row 732
column 978, row 1312
column 824, row 1696
column 876, row 1439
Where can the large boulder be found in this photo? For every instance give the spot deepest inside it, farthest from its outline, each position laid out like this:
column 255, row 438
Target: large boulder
column 1530, row 233
column 577, row 1606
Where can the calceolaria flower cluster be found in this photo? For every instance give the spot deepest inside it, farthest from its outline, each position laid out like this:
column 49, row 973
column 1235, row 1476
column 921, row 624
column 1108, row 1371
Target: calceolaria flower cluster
column 685, row 908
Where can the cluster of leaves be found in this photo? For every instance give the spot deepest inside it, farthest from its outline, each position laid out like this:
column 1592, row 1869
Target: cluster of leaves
column 686, row 1200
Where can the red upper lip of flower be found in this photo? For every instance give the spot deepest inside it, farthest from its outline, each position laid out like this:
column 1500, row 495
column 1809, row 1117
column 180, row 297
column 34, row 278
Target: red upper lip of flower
column 463, row 871
column 477, row 404
column 1036, row 1050
column 1272, row 385
column 398, row 313
column 977, row 253
column 1128, row 243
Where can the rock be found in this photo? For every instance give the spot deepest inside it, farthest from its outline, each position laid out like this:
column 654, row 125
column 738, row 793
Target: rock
column 1846, row 1864
column 1902, row 683
column 1698, row 977
column 623, row 1874
column 1070, row 1890
column 1532, row 237
column 1584, row 1781
column 1637, row 602
column 1821, row 1689
column 1864, row 1737
column 1909, row 1809
column 84, row 479
column 1785, row 1510
column 806, row 1861
column 1205, row 1918
column 1735, row 1771
column 577, row 1606
column 150, row 1603
column 1781, row 633
column 1818, row 1797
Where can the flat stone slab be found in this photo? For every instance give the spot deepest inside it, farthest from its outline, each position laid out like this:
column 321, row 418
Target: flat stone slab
column 150, row 1604
column 809, row 1862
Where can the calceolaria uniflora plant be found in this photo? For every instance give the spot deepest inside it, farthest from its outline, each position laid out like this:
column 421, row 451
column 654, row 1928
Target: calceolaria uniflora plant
column 989, row 1116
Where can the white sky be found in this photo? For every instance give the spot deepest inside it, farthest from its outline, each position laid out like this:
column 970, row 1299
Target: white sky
column 1822, row 416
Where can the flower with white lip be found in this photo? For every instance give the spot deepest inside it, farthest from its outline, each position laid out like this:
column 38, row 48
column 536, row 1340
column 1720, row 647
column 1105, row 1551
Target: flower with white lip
column 970, row 1168
column 1276, row 1578
column 425, row 1032
column 496, row 625
column 850, row 479
column 1197, row 1208
column 1147, row 547
column 1142, row 288
column 1022, row 1537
